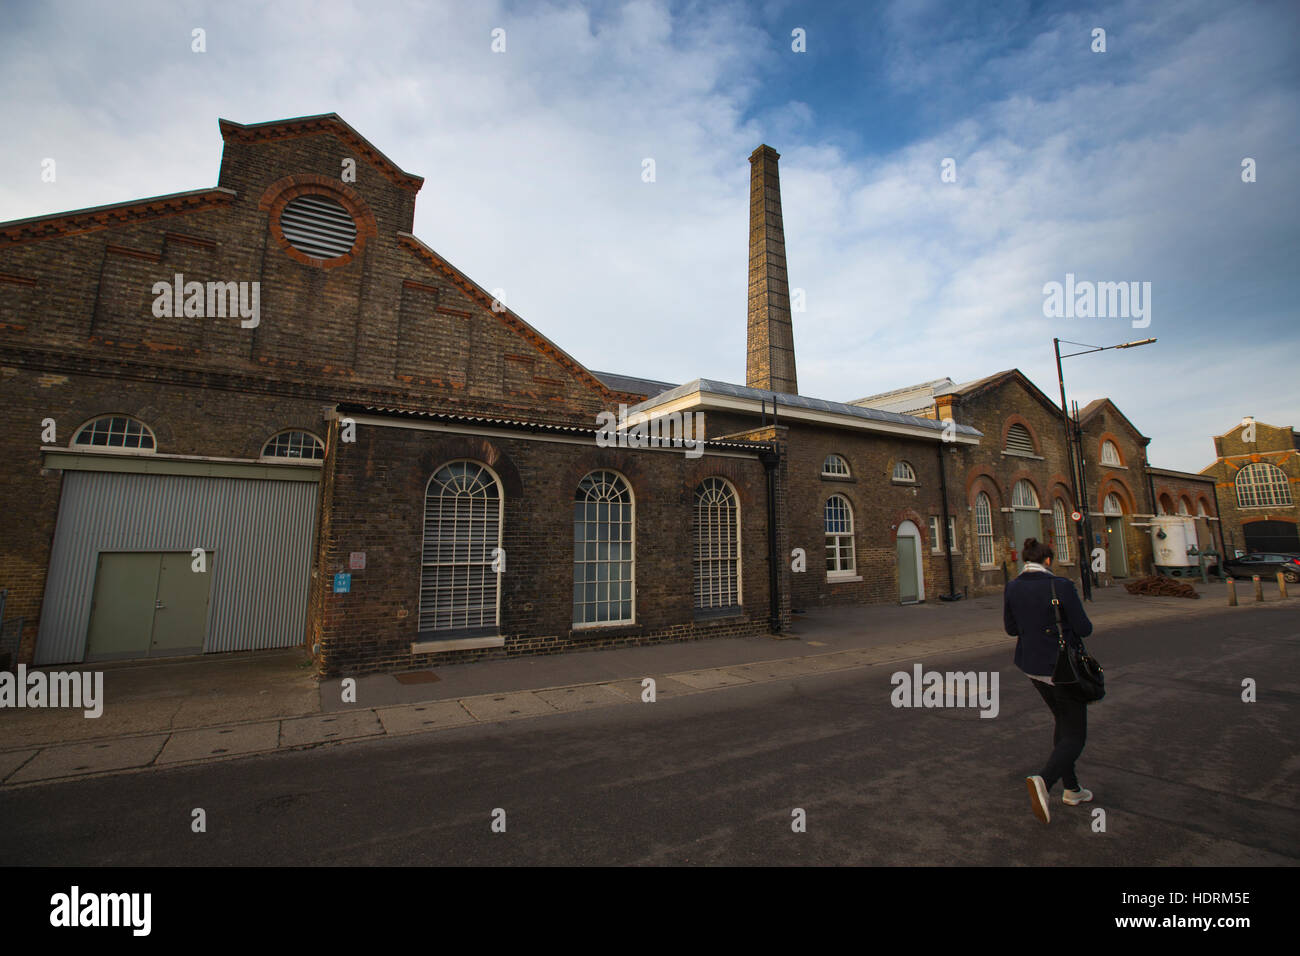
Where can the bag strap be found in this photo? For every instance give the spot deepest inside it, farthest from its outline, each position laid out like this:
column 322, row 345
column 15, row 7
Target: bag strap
column 1056, row 608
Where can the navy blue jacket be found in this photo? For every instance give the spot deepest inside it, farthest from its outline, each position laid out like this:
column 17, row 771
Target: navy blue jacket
column 1027, row 614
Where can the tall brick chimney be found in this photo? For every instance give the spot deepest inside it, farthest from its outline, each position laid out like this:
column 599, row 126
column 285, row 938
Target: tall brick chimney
column 770, row 364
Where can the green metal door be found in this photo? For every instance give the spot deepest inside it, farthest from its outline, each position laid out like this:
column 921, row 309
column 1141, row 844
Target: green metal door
column 121, row 614
column 907, row 583
column 1116, row 562
column 1025, row 524
column 181, row 609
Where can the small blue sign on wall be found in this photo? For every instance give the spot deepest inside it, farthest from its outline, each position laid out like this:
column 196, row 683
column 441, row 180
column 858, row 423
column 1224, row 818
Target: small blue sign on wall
column 342, row 583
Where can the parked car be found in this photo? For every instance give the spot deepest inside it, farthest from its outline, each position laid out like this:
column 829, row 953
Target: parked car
column 1265, row 564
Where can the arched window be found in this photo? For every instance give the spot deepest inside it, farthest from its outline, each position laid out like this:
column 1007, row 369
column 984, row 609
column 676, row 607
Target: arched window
column 1165, row 504
column 1110, row 454
column 717, row 545
column 903, row 472
column 1184, row 507
column 984, row 528
column 840, row 551
column 602, row 550
column 835, row 466
column 462, row 531
column 1023, row 495
column 115, row 431
column 1019, row 441
column 1062, row 529
column 1200, row 509
column 1111, row 507
column 1262, row 485
column 294, row 444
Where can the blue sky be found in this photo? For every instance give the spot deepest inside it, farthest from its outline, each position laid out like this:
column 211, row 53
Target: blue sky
column 1115, row 166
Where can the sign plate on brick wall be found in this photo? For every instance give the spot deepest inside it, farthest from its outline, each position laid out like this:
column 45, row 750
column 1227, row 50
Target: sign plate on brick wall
column 357, row 560
column 342, row 583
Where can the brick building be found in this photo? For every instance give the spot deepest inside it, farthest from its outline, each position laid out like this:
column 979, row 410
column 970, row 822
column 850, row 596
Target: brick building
column 1255, row 474
column 265, row 414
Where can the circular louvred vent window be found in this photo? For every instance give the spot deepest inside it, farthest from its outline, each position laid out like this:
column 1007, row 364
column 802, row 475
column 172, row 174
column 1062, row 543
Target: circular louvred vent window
column 318, row 226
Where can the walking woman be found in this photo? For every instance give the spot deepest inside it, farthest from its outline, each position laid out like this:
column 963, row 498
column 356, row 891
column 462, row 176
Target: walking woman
column 1028, row 615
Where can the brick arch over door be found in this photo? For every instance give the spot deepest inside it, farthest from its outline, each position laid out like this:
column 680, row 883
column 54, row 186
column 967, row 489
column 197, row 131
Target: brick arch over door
column 1109, row 485
column 907, row 514
column 1014, row 419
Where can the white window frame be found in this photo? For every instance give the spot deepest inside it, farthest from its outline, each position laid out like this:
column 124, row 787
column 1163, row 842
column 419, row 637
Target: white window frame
column 984, row 530
column 936, row 542
column 836, row 466
column 1061, row 525
column 318, row 445
column 1265, row 485
column 716, row 533
column 1110, row 454
column 903, row 472
column 581, row 619
column 140, row 431
column 952, row 535
column 836, row 539
column 473, row 552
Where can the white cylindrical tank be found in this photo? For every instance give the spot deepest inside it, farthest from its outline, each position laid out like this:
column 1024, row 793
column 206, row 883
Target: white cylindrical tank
column 1171, row 536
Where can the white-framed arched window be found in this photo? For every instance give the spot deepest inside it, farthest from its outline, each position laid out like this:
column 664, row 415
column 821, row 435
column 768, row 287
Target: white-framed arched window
column 835, row 466
column 841, row 555
column 1110, row 453
column 115, row 432
column 1183, row 508
column 1062, row 529
column 463, row 519
column 1200, row 509
column 294, row 443
column 984, row 528
column 603, row 543
column 903, row 472
column 717, row 545
column 1023, row 495
column 1111, row 507
column 1261, row 484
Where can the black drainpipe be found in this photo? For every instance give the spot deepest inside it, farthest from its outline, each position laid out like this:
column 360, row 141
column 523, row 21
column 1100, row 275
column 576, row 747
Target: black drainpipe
column 771, row 458
column 952, row 594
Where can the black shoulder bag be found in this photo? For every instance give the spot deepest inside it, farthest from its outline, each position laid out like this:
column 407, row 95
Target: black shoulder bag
column 1075, row 667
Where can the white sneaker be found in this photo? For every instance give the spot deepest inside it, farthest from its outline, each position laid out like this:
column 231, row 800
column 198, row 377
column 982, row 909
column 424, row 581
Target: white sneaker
column 1038, row 797
column 1076, row 797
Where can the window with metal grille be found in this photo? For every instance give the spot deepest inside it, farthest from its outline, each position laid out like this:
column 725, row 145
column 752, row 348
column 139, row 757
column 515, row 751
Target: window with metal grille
column 1260, row 484
column 602, row 550
column 115, row 431
column 903, row 472
column 462, row 528
column 717, row 545
column 1110, row 454
column 1062, row 532
column 1023, row 495
column 984, row 528
column 840, row 557
column 1111, row 507
column 835, row 466
column 1019, row 440
column 318, row 226
column 294, row 444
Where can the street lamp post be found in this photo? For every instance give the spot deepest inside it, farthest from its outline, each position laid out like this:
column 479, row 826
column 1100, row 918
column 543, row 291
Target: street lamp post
column 1072, row 435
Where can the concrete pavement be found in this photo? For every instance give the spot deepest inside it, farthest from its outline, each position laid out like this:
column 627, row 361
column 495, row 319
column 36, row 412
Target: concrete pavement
column 169, row 714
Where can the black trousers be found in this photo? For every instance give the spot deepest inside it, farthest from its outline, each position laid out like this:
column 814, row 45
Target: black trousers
column 1071, row 733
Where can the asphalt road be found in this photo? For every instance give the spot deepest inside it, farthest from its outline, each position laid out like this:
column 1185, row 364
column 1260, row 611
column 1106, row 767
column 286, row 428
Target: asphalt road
column 1186, row 772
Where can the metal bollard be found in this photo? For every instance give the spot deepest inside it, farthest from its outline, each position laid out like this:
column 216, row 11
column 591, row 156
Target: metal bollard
column 1259, row 587
column 1281, row 584
column 1232, row 593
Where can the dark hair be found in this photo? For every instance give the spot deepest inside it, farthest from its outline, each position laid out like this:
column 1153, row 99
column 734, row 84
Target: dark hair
column 1034, row 550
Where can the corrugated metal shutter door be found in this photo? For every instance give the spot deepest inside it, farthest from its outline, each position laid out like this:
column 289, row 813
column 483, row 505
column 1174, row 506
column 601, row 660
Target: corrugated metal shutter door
column 259, row 531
